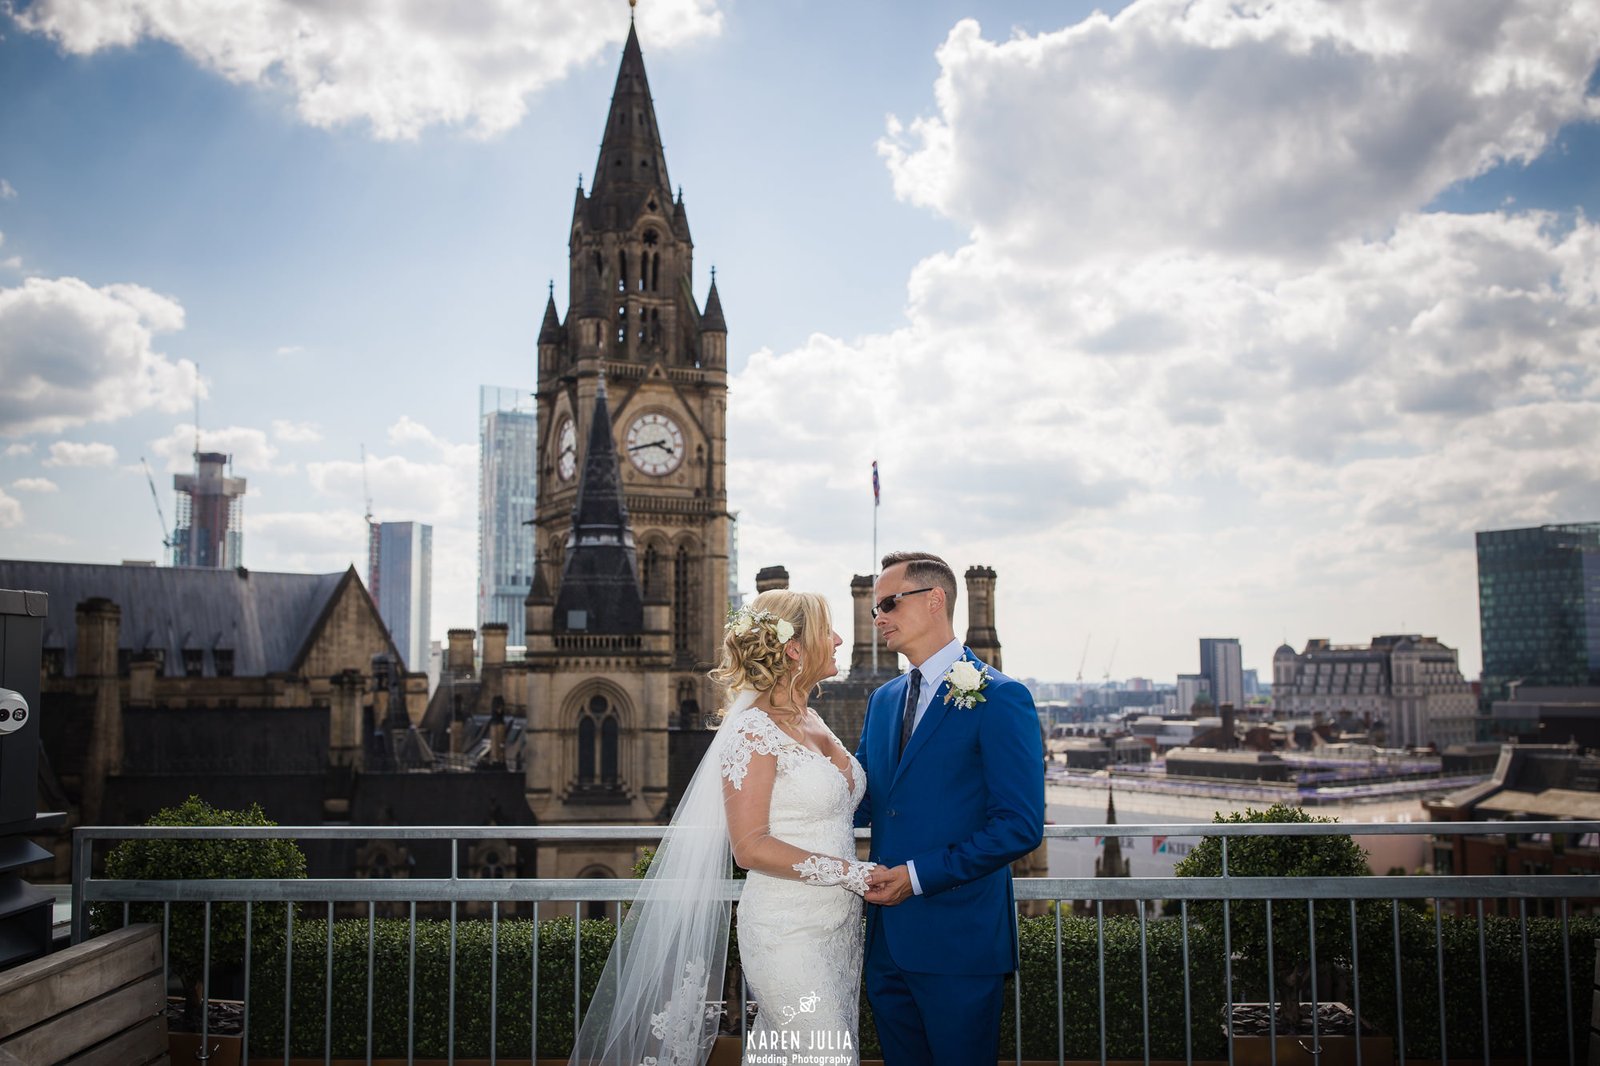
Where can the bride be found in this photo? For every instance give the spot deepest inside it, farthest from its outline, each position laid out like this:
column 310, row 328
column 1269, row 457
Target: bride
column 776, row 792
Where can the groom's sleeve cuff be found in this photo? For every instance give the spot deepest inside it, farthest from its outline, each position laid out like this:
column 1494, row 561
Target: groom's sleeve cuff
column 916, row 886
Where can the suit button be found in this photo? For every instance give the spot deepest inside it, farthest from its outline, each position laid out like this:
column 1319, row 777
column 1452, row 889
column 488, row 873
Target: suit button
column 893, row 813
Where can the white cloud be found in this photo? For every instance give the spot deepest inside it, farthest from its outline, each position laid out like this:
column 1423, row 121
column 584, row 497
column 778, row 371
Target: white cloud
column 73, row 454
column 72, row 354
column 1206, row 365
column 7, row 192
column 295, row 432
column 399, row 67
column 35, row 484
column 403, row 490
column 248, row 448
column 1254, row 128
column 290, row 349
column 14, row 450
column 10, row 512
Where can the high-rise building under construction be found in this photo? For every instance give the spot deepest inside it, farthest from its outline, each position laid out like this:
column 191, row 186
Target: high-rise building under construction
column 210, row 522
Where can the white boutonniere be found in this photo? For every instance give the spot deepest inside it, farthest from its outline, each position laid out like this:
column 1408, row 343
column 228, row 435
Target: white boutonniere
column 967, row 683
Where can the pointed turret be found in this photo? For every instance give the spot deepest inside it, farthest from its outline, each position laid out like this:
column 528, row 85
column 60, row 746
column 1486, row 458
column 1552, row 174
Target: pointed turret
column 711, row 318
column 599, row 583
column 550, row 330
column 631, row 157
column 1111, row 863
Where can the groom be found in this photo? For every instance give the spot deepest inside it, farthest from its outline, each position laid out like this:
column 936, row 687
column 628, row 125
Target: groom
column 955, row 793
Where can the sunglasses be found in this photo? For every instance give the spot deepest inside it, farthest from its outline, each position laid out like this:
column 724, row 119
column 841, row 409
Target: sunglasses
column 889, row 603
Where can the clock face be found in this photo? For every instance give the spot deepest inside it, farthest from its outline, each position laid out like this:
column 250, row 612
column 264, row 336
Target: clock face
column 655, row 444
column 566, row 450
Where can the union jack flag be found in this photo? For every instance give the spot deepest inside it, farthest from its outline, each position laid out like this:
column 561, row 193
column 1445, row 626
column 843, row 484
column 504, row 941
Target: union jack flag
column 875, row 497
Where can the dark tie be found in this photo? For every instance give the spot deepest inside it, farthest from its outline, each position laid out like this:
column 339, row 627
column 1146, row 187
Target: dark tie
column 908, row 717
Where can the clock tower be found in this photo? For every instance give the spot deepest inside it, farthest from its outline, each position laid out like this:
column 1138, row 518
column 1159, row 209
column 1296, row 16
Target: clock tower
column 639, row 360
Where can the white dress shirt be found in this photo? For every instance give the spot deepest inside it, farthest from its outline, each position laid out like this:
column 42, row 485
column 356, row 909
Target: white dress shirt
column 933, row 669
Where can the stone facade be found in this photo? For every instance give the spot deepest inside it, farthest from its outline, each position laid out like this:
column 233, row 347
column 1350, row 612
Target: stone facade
column 1410, row 688
column 634, row 319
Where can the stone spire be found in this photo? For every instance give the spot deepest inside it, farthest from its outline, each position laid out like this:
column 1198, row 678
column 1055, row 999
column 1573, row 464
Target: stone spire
column 711, row 318
column 550, row 329
column 632, row 161
column 1111, row 863
column 600, row 583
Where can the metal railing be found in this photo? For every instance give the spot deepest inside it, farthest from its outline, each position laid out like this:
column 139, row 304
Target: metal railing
column 1360, row 894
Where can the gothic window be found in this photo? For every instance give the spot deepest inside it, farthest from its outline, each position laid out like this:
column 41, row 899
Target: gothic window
column 650, row 570
column 682, row 598
column 622, row 326
column 193, row 662
column 492, row 865
column 223, row 658
column 650, row 237
column 599, row 264
column 644, row 269
column 598, row 740
column 585, row 750
column 655, row 272
column 622, row 270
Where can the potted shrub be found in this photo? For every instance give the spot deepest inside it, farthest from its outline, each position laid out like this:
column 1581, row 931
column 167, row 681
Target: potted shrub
column 194, row 860
column 1289, row 962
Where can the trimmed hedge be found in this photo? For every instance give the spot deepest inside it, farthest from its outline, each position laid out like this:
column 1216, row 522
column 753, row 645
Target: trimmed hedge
column 1125, row 999
column 391, row 977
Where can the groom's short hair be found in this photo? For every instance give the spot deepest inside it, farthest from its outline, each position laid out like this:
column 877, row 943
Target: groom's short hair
column 925, row 568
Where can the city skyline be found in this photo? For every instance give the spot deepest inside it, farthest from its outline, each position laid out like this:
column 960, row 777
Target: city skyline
column 1270, row 314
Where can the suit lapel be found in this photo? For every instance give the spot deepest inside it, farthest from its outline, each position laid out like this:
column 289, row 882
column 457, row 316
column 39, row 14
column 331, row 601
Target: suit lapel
column 931, row 719
column 888, row 738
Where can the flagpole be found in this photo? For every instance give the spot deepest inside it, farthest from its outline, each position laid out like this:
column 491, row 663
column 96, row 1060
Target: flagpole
column 874, row 556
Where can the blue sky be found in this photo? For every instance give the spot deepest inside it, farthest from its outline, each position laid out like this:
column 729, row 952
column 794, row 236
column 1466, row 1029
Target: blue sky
column 1191, row 319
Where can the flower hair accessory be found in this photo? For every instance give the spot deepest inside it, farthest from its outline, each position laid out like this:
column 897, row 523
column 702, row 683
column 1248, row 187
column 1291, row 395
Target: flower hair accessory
column 742, row 620
column 967, row 682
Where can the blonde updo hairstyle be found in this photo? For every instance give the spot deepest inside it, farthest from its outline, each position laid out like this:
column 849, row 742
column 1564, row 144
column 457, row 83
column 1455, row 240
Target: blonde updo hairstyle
column 756, row 660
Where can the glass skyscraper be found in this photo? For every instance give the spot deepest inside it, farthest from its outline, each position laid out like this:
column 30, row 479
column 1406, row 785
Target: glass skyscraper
column 401, row 583
column 1539, row 606
column 507, row 450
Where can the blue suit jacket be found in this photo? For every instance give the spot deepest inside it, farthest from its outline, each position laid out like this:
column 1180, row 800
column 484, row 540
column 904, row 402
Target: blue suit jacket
column 963, row 801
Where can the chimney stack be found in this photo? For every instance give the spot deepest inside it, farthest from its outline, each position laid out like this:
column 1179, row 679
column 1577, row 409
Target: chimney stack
column 771, row 577
column 459, row 658
column 981, row 635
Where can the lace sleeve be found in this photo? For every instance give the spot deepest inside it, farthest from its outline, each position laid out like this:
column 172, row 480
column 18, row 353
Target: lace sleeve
column 749, row 767
column 756, row 735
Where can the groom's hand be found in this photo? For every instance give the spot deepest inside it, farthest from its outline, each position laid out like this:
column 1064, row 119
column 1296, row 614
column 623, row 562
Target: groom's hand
column 887, row 886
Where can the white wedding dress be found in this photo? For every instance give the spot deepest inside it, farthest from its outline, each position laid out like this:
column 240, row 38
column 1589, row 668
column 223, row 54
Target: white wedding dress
column 800, row 944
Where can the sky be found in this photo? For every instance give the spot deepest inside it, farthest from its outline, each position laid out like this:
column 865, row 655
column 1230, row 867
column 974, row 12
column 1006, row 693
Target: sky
column 1190, row 318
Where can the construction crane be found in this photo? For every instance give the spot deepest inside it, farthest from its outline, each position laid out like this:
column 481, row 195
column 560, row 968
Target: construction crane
column 1113, row 658
column 166, row 533
column 366, row 491
column 1084, row 657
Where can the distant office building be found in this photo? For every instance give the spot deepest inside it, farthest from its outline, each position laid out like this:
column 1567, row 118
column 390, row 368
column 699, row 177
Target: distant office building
column 210, row 529
column 507, row 451
column 1252, row 684
column 735, row 597
column 1221, row 662
column 1409, row 687
column 1191, row 687
column 402, row 585
column 1539, row 606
